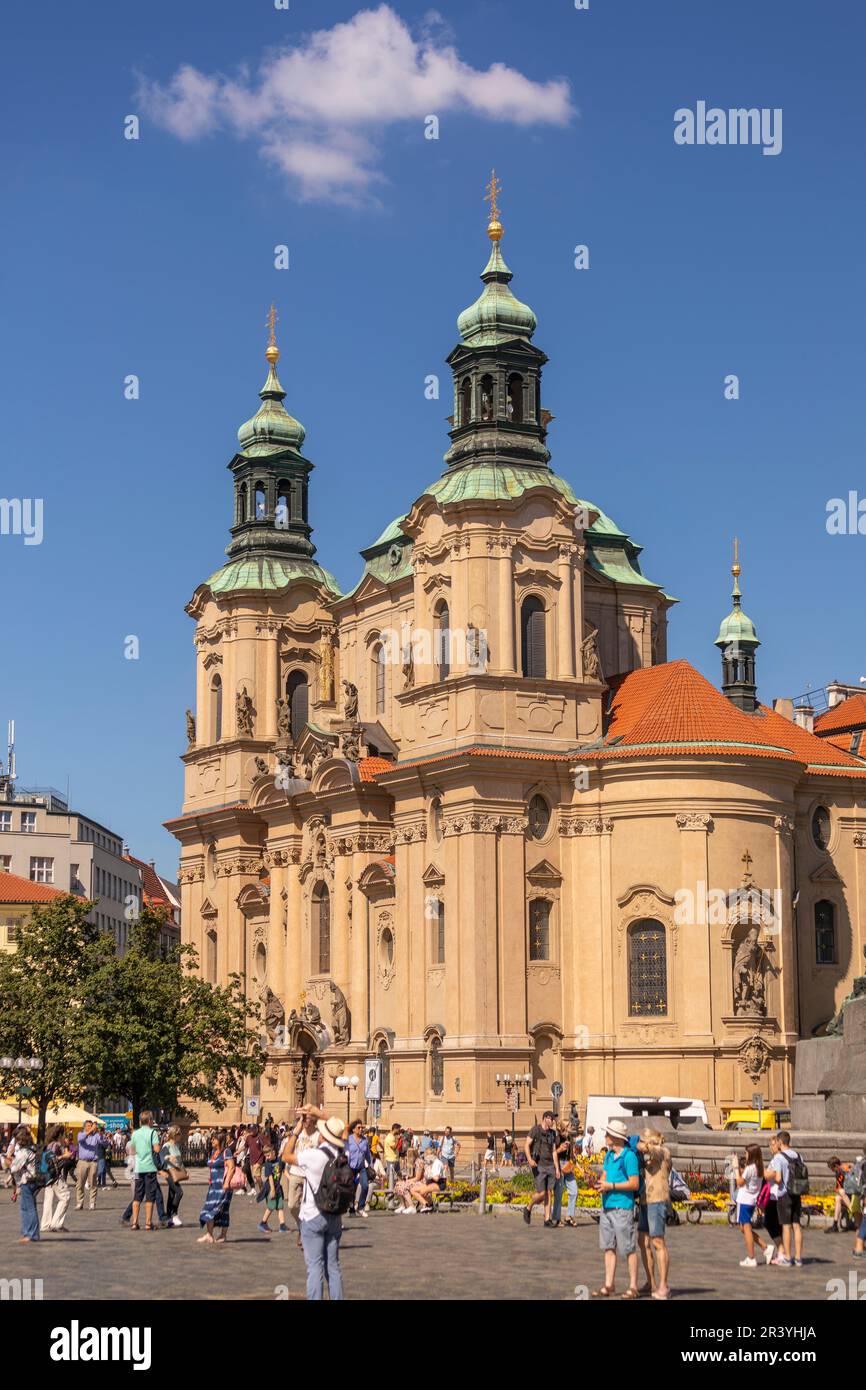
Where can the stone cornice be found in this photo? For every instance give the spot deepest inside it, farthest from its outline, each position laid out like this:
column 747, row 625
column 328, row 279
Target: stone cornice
column 694, row 820
column 585, row 825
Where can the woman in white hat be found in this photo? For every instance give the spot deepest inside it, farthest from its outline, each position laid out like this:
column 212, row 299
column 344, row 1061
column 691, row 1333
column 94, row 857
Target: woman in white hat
column 321, row 1213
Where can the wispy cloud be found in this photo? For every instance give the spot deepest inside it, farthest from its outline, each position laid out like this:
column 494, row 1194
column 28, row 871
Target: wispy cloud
column 319, row 109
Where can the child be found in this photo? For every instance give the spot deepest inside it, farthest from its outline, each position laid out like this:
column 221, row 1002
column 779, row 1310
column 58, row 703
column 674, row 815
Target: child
column 272, row 1190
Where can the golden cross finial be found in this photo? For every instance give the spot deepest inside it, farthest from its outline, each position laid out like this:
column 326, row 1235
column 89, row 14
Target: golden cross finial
column 735, row 568
column 494, row 188
column 272, row 352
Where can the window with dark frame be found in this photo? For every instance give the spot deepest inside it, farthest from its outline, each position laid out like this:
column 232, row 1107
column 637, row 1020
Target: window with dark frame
column 647, row 969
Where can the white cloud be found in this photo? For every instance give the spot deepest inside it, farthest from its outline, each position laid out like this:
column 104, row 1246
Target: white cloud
column 316, row 109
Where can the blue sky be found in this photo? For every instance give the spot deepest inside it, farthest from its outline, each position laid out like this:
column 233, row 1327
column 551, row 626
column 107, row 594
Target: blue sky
column 155, row 257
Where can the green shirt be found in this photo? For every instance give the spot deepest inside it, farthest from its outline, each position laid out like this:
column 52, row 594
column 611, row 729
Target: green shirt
column 142, row 1147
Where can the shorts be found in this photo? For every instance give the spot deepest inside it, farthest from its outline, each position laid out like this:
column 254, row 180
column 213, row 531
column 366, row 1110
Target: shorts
column 789, row 1208
column 651, row 1219
column 489, row 1156
column 545, row 1179
column 745, row 1212
column 146, row 1187
column 616, row 1230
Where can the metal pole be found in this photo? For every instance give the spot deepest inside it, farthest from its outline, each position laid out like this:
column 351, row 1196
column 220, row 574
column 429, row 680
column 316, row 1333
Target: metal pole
column 482, row 1196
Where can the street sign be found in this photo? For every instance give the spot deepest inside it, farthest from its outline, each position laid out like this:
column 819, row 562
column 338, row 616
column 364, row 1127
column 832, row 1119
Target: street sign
column 252, row 1105
column 373, row 1078
column 512, row 1100
column 556, row 1090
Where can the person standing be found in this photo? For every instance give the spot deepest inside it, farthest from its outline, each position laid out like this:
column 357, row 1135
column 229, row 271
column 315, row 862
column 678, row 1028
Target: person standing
column 749, row 1179
column 145, row 1147
column 272, row 1189
column 87, row 1168
column 214, row 1216
column 360, row 1161
column 449, row 1150
column 392, row 1155
column 618, row 1187
column 568, row 1152
column 541, row 1154
column 655, row 1195
column 56, row 1200
column 104, row 1175
column 321, row 1229
column 789, row 1179
column 305, row 1135
column 22, row 1166
column 175, row 1172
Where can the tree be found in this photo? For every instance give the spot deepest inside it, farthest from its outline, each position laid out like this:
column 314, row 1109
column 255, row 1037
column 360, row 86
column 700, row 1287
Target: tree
column 42, row 986
column 156, row 1032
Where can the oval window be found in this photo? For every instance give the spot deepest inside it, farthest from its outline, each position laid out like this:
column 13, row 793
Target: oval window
column 539, row 817
column 387, row 946
column 821, row 827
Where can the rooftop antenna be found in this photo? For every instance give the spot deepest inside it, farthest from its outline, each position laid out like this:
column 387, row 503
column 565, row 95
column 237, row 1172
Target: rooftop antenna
column 9, row 777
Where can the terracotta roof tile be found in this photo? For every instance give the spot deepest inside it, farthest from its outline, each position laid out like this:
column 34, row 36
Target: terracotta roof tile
column 847, row 715
column 369, row 767
column 16, row 890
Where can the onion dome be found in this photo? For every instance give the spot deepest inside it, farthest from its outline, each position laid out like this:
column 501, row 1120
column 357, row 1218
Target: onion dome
column 497, row 316
column 737, row 627
column 272, row 429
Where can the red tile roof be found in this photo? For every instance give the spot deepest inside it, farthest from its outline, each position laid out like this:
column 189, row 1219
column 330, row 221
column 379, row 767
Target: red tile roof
column 369, row 767
column 20, row 890
column 847, row 715
column 153, row 889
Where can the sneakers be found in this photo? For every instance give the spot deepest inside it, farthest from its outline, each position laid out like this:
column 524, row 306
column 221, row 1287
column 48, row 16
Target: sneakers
column 783, row 1261
column 832, row 1230
column 176, row 1221
column 769, row 1253
column 798, row 1264
column 749, row 1264
column 527, row 1214
column 364, row 1212
column 265, row 1230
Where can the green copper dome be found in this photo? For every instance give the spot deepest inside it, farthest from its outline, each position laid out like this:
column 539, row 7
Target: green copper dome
column 737, row 627
column 497, row 315
column 272, row 429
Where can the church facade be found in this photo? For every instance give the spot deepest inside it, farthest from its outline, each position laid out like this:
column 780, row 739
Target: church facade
column 469, row 821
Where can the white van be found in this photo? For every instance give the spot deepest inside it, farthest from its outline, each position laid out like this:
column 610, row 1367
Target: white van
column 600, row 1110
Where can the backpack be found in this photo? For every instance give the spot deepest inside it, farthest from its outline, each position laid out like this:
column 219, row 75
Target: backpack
column 45, row 1171
column 678, row 1187
column 855, row 1179
column 798, row 1175
column 336, row 1191
column 763, row 1197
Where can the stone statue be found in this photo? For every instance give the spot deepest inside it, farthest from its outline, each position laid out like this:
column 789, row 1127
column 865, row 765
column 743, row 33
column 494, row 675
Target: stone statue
column 589, row 649
column 284, row 719
column 835, row 1027
column 339, row 1015
column 749, row 970
column 476, row 647
column 326, row 658
column 301, row 766
column 273, row 1013
column 350, row 705
column 190, row 728
column 408, row 667
column 486, row 405
column 244, row 712
column 261, row 767
column 350, row 745
column 320, row 753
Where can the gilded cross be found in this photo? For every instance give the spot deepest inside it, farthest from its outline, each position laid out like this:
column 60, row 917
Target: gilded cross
column 271, row 325
column 494, row 188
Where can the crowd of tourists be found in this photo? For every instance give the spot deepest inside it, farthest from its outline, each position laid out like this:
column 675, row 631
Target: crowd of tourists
column 309, row 1175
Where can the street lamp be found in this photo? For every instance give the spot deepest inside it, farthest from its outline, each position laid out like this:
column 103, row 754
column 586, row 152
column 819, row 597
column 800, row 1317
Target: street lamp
column 22, row 1065
column 349, row 1084
column 512, row 1086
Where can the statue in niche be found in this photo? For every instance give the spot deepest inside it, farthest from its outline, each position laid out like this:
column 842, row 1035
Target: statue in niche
column 284, row 720
column 273, row 1013
column 244, row 712
column 326, row 666
column 476, row 647
column 408, row 667
column 350, row 702
column 589, row 651
column 339, row 1015
column 190, row 728
column 350, row 745
column 486, row 405
column 750, row 968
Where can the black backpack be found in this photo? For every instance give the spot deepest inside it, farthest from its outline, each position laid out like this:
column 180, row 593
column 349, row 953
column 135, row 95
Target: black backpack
column 798, row 1175
column 336, row 1191
column 46, row 1170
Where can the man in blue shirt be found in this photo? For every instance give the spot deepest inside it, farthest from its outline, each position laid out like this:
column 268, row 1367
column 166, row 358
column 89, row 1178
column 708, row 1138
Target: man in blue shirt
column 618, row 1188
column 90, row 1149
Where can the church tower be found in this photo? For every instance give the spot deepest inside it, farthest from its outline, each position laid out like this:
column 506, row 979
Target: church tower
column 738, row 641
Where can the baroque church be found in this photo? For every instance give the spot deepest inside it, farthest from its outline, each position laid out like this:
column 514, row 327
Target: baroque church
column 468, row 820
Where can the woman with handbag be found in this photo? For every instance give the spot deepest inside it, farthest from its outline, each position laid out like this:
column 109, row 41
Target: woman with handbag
column 225, row 1178
column 175, row 1172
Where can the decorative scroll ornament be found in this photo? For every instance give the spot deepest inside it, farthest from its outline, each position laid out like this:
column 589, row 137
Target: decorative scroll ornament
column 754, row 1057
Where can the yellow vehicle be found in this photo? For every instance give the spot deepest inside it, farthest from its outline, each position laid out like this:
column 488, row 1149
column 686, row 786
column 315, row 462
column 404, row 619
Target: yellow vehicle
column 758, row 1119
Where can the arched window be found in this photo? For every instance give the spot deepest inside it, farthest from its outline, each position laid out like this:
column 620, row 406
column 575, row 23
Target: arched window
column 532, row 639
column 284, row 505
column 242, row 503
column 539, row 929
column 385, row 1058
column 211, row 957
column 487, row 399
column 514, row 408
column 379, row 677
column 321, row 924
column 442, row 652
column 465, row 401
column 437, row 1068
column 825, row 933
column 216, row 709
column 261, row 501
column 647, row 969
column 297, row 699
column 261, row 963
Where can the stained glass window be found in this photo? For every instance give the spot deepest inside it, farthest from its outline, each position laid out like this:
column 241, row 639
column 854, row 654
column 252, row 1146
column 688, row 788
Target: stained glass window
column 825, row 933
column 437, row 1070
column 539, row 929
column 647, row 970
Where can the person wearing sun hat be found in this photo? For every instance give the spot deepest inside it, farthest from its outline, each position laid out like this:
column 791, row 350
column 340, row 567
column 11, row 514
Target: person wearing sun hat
column 619, row 1188
column 320, row 1230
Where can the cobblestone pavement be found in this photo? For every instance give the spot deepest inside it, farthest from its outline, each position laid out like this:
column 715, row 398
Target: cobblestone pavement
column 456, row 1255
